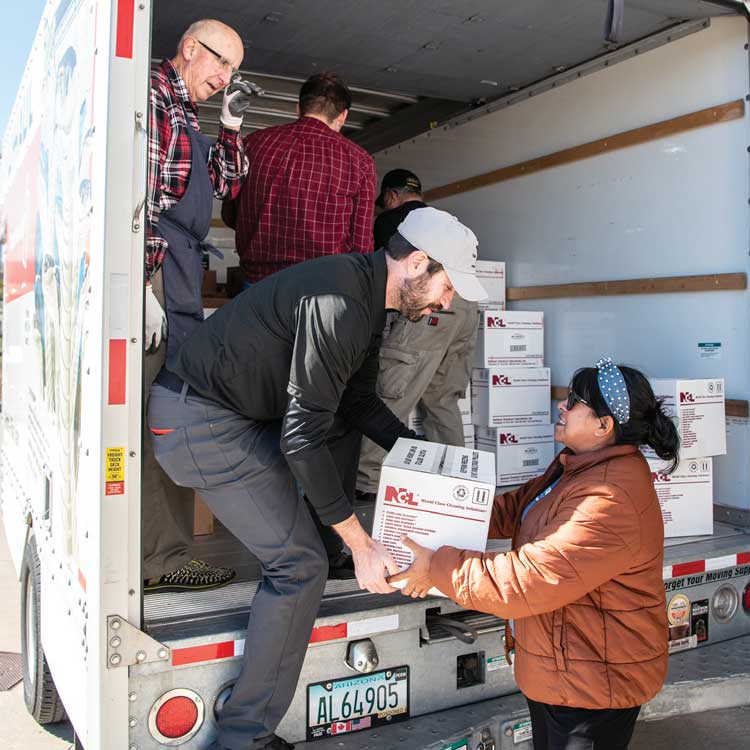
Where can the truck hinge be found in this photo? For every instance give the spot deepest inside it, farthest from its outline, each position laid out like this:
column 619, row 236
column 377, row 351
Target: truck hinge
column 741, row 7
column 127, row 645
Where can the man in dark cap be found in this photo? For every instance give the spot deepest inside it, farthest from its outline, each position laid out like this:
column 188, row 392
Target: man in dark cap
column 424, row 364
column 400, row 193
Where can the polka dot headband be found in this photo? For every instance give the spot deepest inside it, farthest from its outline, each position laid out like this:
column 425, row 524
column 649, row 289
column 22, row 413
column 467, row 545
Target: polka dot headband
column 613, row 389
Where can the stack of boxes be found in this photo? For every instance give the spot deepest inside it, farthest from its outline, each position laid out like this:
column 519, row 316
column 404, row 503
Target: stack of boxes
column 686, row 495
column 507, row 411
column 492, row 276
column 510, row 387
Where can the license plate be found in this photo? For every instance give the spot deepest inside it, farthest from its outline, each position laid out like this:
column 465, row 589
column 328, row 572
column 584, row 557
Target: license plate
column 350, row 704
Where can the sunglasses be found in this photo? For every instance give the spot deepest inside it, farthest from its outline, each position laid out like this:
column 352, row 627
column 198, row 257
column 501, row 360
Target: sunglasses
column 220, row 58
column 573, row 399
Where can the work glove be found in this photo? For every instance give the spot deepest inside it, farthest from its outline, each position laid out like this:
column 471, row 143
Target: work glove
column 156, row 321
column 237, row 98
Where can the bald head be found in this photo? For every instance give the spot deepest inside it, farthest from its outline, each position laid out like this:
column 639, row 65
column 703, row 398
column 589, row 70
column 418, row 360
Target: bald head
column 207, row 55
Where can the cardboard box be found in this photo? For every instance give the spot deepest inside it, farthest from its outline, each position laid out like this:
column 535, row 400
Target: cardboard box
column 699, row 411
column 436, row 494
column 685, row 496
column 469, row 436
column 510, row 338
column 521, row 453
column 464, row 406
column 415, row 421
column 491, row 275
column 512, row 396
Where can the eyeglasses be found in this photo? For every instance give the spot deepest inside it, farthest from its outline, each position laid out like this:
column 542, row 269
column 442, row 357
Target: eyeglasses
column 573, row 399
column 220, row 58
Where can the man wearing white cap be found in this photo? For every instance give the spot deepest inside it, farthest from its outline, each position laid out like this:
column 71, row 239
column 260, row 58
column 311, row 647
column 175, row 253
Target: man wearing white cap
column 425, row 364
column 271, row 395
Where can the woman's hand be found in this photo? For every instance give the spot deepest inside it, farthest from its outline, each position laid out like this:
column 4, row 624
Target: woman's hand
column 417, row 575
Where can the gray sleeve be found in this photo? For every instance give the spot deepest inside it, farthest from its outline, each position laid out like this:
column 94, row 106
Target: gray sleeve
column 333, row 334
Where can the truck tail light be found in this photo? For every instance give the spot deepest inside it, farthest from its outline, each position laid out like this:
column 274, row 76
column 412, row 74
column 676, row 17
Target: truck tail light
column 746, row 599
column 724, row 602
column 176, row 717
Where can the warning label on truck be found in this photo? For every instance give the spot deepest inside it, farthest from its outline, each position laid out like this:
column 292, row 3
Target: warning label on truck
column 114, row 471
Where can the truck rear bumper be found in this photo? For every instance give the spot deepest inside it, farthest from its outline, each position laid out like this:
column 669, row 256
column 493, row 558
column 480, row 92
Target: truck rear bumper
column 704, row 679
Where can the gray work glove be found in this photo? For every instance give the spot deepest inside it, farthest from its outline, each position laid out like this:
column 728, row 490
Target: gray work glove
column 237, row 98
column 155, row 322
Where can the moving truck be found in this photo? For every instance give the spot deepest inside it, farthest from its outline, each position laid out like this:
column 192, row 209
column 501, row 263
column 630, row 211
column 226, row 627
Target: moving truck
column 611, row 177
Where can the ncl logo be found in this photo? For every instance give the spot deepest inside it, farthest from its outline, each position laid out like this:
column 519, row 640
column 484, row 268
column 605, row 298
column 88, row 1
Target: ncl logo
column 500, row 380
column 686, row 398
column 399, row 495
column 507, row 438
column 493, row 322
column 658, row 476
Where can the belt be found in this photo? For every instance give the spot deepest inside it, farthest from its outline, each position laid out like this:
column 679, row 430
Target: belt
column 167, row 379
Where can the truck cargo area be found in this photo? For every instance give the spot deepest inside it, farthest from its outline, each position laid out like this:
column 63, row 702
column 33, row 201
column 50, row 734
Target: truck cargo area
column 605, row 168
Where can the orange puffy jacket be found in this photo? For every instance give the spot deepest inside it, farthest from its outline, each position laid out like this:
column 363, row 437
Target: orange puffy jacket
column 583, row 582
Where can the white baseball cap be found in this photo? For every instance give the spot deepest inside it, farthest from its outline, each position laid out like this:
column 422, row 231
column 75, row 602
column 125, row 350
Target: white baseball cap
column 445, row 239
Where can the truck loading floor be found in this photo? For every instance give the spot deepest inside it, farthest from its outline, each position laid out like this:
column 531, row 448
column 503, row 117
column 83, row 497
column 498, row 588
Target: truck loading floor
column 229, row 606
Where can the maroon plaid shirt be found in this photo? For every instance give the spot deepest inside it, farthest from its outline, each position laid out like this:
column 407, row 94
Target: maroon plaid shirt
column 310, row 192
column 169, row 155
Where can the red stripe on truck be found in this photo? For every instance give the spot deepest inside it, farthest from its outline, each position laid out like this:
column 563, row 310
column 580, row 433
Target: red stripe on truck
column 117, row 367
column 685, row 569
column 124, row 33
column 743, row 558
column 328, row 633
column 209, row 652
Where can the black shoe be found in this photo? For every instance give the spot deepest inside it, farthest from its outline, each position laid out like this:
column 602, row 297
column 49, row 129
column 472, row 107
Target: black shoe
column 194, row 575
column 365, row 497
column 341, row 568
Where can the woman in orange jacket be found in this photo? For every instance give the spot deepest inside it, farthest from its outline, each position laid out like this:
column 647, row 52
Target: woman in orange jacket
column 582, row 584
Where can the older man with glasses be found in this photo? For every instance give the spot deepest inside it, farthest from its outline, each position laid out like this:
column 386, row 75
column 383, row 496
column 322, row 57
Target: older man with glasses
column 186, row 170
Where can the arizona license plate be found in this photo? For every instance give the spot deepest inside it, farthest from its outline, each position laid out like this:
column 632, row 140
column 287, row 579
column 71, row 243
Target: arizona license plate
column 354, row 703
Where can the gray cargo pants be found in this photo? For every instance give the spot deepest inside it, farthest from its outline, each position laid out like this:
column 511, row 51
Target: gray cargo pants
column 237, row 465
column 166, row 509
column 427, row 364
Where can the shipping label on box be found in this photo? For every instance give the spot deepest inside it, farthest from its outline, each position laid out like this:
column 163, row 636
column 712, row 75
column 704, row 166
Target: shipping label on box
column 521, row 453
column 699, row 411
column 464, row 405
column 510, row 339
column 491, row 275
column 513, row 396
column 435, row 494
column 685, row 496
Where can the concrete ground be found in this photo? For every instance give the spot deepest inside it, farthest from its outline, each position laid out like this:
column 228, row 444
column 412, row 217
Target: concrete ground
column 18, row 731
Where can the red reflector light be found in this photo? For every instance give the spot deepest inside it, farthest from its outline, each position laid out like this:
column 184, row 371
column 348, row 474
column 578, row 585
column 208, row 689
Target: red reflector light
column 176, row 717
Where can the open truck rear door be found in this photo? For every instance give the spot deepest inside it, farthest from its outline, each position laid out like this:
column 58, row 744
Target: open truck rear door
column 73, row 206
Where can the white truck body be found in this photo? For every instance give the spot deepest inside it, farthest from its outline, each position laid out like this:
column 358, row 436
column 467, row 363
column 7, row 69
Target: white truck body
column 72, row 184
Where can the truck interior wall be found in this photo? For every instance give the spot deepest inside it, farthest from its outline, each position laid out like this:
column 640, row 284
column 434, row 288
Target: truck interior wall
column 673, row 207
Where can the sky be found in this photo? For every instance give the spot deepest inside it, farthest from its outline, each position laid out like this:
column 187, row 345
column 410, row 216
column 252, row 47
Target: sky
column 19, row 24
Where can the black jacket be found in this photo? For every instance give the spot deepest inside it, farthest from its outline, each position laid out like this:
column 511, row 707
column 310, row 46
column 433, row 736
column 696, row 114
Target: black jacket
column 302, row 345
column 387, row 222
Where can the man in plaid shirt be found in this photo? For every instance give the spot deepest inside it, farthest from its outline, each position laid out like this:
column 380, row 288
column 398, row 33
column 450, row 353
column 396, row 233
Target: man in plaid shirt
column 186, row 169
column 310, row 190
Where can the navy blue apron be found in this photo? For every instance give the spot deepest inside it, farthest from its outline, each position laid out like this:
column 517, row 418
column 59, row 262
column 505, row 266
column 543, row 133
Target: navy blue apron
column 185, row 226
